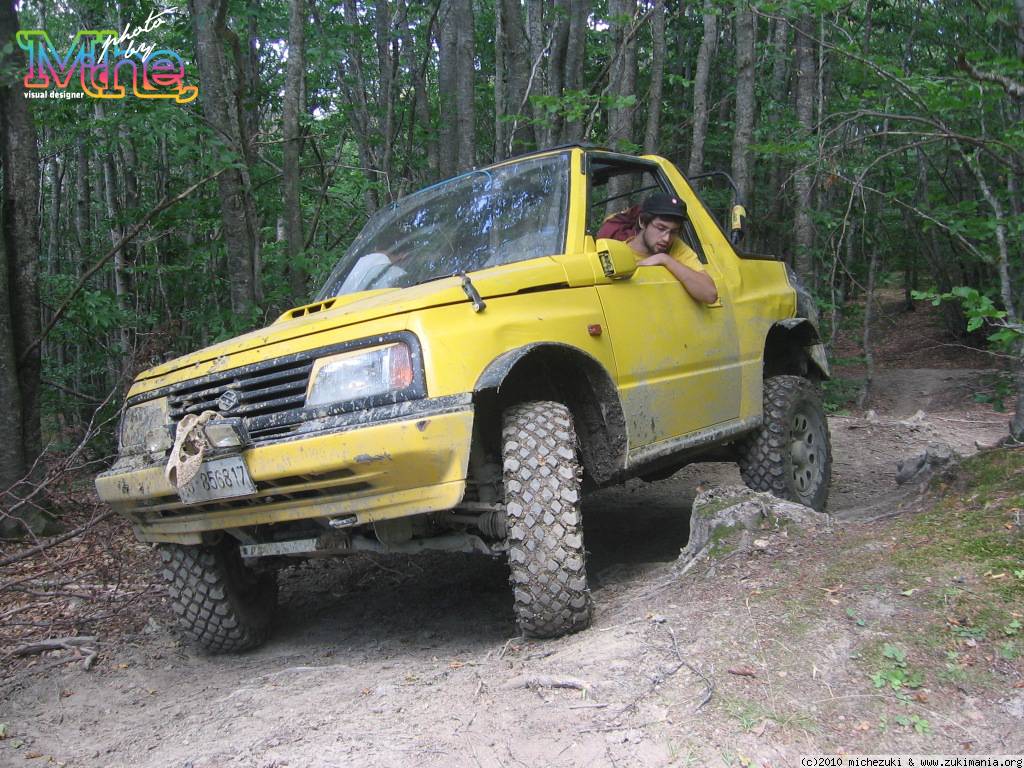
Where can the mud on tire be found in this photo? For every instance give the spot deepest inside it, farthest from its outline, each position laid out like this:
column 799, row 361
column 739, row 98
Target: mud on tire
column 790, row 455
column 221, row 605
column 542, row 477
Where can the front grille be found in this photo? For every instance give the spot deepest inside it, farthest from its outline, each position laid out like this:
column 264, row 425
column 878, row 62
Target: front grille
column 263, row 389
column 270, row 396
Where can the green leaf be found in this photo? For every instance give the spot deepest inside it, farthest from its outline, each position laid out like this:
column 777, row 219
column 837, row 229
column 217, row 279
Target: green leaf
column 896, row 654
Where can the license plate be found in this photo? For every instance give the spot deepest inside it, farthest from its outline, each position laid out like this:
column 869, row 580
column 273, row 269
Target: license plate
column 222, row 478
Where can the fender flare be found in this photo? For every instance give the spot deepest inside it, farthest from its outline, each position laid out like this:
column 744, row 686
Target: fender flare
column 499, row 368
column 804, row 331
column 592, row 396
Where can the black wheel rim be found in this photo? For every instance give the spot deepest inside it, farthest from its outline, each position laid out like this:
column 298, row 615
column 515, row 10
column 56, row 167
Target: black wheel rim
column 807, row 448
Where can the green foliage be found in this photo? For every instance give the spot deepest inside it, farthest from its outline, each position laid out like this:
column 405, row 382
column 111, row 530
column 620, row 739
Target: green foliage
column 1008, row 650
column 996, row 389
column 916, row 722
column 840, row 394
column 980, row 310
column 895, row 672
column 969, row 633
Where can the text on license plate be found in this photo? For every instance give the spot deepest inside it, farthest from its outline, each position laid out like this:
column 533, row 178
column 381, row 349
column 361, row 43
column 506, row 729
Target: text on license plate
column 222, row 478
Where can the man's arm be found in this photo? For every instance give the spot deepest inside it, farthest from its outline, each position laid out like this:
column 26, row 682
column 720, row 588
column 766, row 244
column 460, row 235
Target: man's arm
column 697, row 284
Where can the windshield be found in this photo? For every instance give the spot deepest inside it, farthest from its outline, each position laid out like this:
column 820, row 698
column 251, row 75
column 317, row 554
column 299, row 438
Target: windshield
column 478, row 220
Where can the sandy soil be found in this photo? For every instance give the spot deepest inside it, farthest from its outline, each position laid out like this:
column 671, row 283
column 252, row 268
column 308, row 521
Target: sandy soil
column 396, row 661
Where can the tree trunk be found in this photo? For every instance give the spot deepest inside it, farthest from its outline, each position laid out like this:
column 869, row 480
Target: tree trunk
column 464, row 86
column 806, row 78
column 657, row 77
column 869, row 317
column 500, row 79
column 388, row 56
column 1017, row 422
column 13, row 463
column 110, row 199
column 579, row 12
column 215, row 91
column 52, row 243
column 358, row 95
column 556, row 64
column 778, row 228
column 536, row 41
column 82, row 197
column 19, row 285
column 422, row 110
column 700, row 89
column 292, row 107
column 447, row 42
column 455, row 88
column 519, row 135
column 744, row 132
column 622, row 74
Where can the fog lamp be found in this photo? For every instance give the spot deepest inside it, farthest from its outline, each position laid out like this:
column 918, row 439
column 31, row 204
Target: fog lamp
column 226, row 433
column 159, row 440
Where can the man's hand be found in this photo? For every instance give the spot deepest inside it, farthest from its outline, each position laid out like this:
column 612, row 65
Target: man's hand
column 697, row 284
column 657, row 260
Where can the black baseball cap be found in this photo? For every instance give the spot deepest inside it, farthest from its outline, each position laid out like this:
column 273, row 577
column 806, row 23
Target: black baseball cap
column 666, row 206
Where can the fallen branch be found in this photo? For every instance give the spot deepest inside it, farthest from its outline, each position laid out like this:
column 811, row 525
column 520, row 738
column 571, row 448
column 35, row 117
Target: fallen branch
column 544, row 681
column 54, row 644
column 709, row 687
column 31, row 551
column 64, row 465
column 49, row 569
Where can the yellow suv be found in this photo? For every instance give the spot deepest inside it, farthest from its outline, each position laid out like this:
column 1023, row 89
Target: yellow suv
column 477, row 360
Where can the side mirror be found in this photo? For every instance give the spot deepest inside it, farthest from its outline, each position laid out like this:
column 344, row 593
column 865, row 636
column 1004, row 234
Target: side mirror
column 617, row 259
column 738, row 225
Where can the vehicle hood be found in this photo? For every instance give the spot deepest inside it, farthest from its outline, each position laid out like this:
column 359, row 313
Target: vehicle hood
column 297, row 329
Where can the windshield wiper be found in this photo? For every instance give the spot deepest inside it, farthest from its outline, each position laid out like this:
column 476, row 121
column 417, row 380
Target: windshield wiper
column 472, row 292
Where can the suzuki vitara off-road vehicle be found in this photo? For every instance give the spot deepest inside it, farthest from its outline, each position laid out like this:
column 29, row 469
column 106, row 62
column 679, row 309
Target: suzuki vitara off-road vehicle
column 477, row 361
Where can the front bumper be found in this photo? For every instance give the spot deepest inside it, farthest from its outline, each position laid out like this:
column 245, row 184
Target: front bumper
column 380, row 464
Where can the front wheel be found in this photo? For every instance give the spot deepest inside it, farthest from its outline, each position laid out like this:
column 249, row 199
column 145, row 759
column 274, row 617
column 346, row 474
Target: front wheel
column 547, row 561
column 790, row 455
column 222, row 605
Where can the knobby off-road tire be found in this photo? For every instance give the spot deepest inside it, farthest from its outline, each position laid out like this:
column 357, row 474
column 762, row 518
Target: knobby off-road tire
column 790, row 454
column 222, row 606
column 542, row 477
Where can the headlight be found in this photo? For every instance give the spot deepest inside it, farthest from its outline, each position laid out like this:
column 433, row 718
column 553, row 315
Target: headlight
column 359, row 374
column 141, row 420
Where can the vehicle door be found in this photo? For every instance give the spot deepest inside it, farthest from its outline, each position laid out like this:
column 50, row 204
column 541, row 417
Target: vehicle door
column 676, row 358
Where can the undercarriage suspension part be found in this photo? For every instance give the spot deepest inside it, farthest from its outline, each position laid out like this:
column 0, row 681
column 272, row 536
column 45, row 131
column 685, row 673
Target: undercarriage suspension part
column 492, row 524
column 490, row 519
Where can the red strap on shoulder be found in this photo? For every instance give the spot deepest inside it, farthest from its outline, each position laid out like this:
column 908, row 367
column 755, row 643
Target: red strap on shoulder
column 622, row 225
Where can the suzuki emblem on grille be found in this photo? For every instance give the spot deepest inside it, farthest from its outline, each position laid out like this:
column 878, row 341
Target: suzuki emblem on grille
column 228, row 401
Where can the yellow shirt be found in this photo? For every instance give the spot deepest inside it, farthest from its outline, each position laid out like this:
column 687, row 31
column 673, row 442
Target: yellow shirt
column 685, row 255
column 682, row 253
column 688, row 257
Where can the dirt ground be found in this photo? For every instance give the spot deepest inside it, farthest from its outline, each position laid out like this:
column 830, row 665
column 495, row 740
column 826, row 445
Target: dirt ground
column 753, row 660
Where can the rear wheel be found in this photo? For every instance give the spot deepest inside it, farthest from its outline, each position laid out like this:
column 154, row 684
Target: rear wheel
column 222, row 605
column 542, row 477
column 790, row 454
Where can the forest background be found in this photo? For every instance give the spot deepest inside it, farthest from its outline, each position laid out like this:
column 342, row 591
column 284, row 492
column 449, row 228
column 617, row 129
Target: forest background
column 874, row 142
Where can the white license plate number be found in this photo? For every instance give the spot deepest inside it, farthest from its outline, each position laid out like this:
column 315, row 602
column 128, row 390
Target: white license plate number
column 223, row 478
